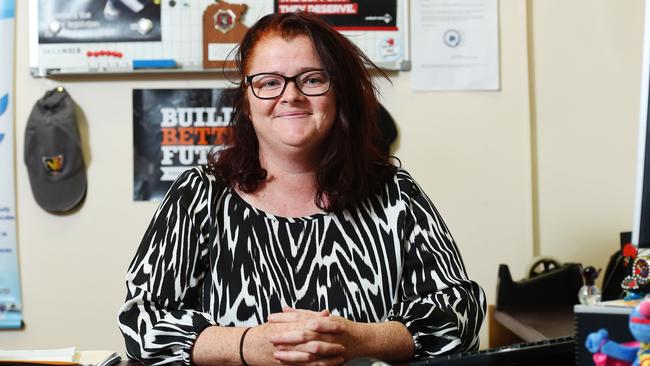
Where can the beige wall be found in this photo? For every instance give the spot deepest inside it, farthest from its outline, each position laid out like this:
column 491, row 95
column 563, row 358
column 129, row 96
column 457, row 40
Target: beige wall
column 587, row 65
column 544, row 166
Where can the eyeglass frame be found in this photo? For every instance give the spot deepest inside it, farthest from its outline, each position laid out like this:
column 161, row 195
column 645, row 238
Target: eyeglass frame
column 288, row 79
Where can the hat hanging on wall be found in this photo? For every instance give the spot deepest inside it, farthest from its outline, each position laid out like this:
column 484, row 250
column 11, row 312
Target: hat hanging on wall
column 53, row 156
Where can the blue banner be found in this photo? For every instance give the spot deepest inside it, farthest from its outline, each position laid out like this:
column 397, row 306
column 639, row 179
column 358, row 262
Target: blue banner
column 10, row 297
column 7, row 9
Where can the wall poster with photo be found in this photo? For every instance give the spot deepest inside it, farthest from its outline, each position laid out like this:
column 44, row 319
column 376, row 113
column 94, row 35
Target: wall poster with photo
column 85, row 21
column 174, row 130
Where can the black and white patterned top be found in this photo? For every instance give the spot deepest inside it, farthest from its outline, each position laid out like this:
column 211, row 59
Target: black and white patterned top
column 208, row 257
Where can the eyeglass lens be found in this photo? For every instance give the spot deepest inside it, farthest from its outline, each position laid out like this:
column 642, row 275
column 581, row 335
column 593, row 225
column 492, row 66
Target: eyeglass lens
column 310, row 83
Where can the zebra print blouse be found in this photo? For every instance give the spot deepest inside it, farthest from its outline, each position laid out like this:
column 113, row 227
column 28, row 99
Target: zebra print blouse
column 210, row 258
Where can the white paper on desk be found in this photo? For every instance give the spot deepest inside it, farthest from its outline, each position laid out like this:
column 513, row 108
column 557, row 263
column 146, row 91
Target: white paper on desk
column 60, row 355
column 455, row 45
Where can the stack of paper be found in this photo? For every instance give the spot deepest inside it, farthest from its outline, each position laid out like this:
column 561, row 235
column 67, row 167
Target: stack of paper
column 60, row 356
column 97, row 358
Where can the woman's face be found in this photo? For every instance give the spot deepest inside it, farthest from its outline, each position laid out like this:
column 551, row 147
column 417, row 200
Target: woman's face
column 292, row 122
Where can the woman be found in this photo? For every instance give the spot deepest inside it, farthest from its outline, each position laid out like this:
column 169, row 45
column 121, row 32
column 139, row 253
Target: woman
column 299, row 244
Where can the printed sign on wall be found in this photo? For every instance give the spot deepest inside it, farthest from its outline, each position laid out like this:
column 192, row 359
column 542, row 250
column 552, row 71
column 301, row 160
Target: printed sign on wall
column 173, row 130
column 347, row 14
column 10, row 297
column 75, row 21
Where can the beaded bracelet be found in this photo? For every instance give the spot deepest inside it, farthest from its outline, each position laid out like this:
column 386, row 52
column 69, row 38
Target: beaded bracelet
column 241, row 347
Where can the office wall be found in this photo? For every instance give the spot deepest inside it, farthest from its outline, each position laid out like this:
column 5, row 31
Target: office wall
column 474, row 153
column 587, row 62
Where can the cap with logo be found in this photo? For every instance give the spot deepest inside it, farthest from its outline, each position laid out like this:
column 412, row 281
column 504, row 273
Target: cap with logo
column 53, row 156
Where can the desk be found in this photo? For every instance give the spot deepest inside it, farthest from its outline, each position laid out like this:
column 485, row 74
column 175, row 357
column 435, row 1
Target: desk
column 514, row 326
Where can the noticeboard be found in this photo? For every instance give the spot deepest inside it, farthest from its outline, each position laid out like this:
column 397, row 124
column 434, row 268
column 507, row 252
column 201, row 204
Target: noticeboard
column 124, row 36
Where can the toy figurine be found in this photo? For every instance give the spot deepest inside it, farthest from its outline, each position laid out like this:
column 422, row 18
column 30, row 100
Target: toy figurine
column 636, row 283
column 640, row 329
column 610, row 353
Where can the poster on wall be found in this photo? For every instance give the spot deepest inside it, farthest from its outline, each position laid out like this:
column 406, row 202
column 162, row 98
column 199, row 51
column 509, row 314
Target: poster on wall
column 174, row 130
column 82, row 21
column 10, row 297
column 455, row 45
column 347, row 14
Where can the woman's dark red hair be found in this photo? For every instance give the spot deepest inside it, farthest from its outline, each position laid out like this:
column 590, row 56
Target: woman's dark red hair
column 351, row 167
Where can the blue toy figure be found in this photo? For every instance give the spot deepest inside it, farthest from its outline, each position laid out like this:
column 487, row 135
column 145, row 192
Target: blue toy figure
column 640, row 329
column 610, row 353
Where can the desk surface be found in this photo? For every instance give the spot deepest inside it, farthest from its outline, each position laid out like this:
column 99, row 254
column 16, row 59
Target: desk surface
column 515, row 326
column 537, row 325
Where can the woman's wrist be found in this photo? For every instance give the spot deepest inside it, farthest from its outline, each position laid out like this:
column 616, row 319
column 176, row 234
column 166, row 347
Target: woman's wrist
column 257, row 350
column 362, row 338
column 217, row 345
column 241, row 346
column 388, row 341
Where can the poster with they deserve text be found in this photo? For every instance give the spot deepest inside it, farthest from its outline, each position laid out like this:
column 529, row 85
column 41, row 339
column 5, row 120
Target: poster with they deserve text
column 362, row 15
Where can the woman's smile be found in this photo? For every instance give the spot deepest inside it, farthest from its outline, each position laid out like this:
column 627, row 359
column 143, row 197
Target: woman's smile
column 293, row 114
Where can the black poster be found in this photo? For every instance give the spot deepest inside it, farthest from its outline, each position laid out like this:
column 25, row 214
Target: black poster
column 347, row 14
column 173, row 130
column 83, row 21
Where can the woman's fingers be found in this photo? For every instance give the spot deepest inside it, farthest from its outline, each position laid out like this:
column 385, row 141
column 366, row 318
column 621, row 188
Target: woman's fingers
column 321, row 329
column 322, row 348
column 289, row 314
column 288, row 309
column 318, row 348
column 310, row 342
column 306, row 358
column 293, row 337
column 324, row 325
column 294, row 356
column 286, row 317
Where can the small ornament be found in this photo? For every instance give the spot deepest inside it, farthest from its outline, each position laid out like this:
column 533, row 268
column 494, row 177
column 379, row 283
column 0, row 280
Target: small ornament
column 224, row 20
column 222, row 31
column 589, row 294
column 638, row 276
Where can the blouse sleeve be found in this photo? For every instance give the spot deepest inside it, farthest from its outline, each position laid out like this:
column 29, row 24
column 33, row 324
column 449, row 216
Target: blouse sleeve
column 440, row 306
column 161, row 317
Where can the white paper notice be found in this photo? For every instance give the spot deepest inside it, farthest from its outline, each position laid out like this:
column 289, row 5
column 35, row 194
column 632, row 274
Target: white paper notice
column 455, row 45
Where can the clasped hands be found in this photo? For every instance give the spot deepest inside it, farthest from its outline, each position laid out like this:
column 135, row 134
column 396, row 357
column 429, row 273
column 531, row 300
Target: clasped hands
column 303, row 337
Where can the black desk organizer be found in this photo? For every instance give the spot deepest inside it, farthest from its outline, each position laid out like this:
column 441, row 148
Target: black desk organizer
column 554, row 288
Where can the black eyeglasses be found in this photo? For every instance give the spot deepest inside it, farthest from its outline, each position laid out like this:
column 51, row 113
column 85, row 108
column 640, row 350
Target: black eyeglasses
column 268, row 85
